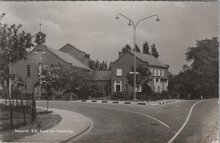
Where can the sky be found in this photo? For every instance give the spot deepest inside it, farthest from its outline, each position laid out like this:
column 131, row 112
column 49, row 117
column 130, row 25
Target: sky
column 92, row 27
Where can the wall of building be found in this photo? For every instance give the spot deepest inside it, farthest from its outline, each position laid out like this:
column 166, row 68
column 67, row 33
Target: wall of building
column 79, row 55
column 104, row 86
column 159, row 81
column 126, row 62
column 20, row 67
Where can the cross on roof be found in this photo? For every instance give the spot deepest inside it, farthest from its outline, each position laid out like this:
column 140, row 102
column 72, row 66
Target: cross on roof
column 40, row 26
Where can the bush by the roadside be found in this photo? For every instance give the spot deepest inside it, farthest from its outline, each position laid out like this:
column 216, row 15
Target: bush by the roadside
column 121, row 96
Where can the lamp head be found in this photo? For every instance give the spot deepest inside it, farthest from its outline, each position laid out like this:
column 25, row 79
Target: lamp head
column 129, row 24
column 157, row 19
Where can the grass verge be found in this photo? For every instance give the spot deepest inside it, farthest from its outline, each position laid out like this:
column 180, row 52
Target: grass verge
column 43, row 121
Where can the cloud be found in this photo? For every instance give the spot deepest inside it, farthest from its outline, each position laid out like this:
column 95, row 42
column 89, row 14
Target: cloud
column 91, row 26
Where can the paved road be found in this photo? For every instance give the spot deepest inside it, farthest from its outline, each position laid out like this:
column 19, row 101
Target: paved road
column 114, row 123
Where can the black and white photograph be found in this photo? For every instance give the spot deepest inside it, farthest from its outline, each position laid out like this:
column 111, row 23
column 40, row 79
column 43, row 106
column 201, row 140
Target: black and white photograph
column 109, row 71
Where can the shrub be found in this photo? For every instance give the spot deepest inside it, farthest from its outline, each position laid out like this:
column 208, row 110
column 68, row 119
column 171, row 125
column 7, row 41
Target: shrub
column 121, row 96
column 165, row 95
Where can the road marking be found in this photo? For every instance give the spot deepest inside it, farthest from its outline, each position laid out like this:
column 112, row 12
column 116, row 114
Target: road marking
column 187, row 119
column 135, row 113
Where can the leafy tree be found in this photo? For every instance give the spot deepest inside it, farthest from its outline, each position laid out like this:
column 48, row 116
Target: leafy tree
column 143, row 76
column 49, row 77
column 68, row 80
column 201, row 77
column 98, row 66
column 126, row 48
column 146, row 48
column 154, row 51
column 14, row 43
column 204, row 58
column 137, row 49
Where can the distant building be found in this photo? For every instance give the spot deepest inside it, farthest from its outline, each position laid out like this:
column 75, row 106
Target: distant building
column 76, row 53
column 103, row 80
column 125, row 63
column 28, row 68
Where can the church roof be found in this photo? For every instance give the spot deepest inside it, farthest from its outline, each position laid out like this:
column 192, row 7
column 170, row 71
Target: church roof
column 68, row 45
column 68, row 58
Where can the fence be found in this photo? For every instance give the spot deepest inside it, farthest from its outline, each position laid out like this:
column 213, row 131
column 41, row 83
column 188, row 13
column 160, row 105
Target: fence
column 17, row 111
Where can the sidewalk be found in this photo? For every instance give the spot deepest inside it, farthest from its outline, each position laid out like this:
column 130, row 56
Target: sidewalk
column 72, row 125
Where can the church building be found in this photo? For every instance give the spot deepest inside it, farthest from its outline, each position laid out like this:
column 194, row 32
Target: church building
column 41, row 54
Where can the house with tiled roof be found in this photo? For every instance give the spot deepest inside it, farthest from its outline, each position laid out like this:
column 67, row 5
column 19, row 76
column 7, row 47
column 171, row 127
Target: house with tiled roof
column 125, row 64
column 41, row 54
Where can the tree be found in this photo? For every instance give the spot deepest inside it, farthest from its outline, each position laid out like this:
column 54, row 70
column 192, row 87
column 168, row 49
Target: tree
column 146, row 48
column 49, row 77
column 201, row 77
column 154, row 51
column 143, row 76
column 204, row 58
column 126, row 48
column 14, row 43
column 137, row 49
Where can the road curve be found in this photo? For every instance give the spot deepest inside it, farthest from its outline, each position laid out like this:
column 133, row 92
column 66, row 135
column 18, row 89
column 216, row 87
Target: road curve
column 127, row 123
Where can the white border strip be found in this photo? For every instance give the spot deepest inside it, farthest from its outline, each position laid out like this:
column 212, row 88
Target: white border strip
column 187, row 119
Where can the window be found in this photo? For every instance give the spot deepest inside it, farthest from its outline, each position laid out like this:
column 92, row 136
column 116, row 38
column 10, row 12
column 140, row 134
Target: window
column 138, row 89
column 157, row 80
column 162, row 73
column 117, row 86
column 155, row 72
column 28, row 70
column 158, row 72
column 152, row 71
column 118, row 72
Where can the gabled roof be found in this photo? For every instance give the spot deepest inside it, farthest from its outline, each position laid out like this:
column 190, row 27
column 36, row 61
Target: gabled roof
column 149, row 59
column 63, row 56
column 68, row 58
column 102, row 75
column 71, row 46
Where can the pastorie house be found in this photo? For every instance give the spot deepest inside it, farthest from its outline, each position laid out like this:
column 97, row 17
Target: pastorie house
column 125, row 63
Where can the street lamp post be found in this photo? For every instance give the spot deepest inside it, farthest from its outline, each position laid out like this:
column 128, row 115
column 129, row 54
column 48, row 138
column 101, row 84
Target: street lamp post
column 131, row 22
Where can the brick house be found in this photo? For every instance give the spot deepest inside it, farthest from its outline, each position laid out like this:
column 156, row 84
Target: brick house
column 103, row 80
column 76, row 53
column 125, row 63
column 28, row 68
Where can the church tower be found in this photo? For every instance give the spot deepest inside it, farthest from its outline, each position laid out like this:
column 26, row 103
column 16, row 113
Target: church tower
column 40, row 38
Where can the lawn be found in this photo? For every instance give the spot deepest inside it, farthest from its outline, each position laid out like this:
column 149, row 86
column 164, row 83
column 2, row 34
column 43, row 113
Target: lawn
column 44, row 120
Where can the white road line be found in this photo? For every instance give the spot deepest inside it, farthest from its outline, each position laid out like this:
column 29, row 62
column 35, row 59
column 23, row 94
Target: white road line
column 187, row 119
column 135, row 113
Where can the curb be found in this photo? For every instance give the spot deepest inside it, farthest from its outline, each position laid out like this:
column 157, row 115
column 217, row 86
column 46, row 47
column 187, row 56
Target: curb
column 77, row 133
column 74, row 137
column 81, row 132
column 128, row 102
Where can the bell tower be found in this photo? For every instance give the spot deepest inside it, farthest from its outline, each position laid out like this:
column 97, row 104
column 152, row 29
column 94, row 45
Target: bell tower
column 40, row 37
